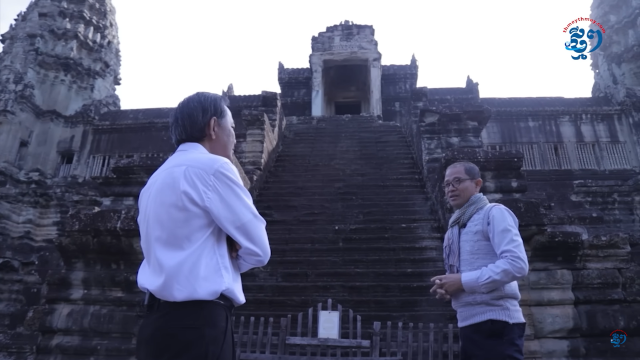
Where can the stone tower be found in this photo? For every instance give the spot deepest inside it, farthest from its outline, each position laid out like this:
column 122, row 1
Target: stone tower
column 616, row 64
column 59, row 69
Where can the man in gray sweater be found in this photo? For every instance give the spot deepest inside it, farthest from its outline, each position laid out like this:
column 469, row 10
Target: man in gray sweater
column 484, row 258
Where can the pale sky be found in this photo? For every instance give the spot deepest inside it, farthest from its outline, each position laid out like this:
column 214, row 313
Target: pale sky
column 173, row 48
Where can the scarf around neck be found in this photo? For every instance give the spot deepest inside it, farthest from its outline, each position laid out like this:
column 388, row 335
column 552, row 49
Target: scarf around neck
column 459, row 221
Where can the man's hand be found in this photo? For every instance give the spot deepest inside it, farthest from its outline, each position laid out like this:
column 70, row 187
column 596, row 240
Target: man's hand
column 233, row 247
column 447, row 285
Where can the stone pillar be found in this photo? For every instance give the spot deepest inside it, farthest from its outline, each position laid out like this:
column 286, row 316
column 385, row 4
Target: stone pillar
column 317, row 88
column 375, row 85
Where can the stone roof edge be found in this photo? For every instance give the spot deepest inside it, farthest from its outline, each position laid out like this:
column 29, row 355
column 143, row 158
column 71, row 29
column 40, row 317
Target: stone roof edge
column 581, row 110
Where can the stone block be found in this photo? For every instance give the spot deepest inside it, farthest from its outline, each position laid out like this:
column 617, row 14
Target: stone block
column 602, row 286
column 550, row 288
column 600, row 348
column 531, row 349
column 529, row 332
column 92, row 319
column 86, row 346
column 102, row 246
column 561, row 349
column 631, row 283
column 607, row 251
column 17, row 343
column 101, row 220
column 555, row 321
column 556, row 250
column 528, row 212
column 599, row 319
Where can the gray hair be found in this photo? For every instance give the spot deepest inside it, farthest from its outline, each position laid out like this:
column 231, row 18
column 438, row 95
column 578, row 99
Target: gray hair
column 470, row 169
column 189, row 120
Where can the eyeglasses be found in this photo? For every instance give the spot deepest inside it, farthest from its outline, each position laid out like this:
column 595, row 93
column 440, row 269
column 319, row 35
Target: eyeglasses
column 454, row 183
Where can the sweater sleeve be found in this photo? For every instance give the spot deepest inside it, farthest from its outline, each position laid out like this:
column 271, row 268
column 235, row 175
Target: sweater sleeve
column 512, row 263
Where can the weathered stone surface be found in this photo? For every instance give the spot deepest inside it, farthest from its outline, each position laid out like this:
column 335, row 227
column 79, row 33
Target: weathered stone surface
column 600, row 348
column 549, row 288
column 615, row 63
column 555, row 321
column 607, row 251
column 561, row 348
column 59, row 68
column 601, row 286
column 598, row 319
column 556, row 250
column 631, row 283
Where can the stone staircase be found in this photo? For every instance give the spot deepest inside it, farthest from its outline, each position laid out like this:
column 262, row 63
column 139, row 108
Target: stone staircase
column 347, row 220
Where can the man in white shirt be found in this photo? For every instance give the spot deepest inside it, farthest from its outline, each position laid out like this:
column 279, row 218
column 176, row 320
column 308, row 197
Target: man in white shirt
column 186, row 210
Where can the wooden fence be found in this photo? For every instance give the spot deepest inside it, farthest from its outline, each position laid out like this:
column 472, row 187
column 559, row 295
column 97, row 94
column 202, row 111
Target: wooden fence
column 296, row 338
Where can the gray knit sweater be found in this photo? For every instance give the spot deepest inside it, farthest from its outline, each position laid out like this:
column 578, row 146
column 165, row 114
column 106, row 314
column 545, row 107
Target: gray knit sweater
column 490, row 269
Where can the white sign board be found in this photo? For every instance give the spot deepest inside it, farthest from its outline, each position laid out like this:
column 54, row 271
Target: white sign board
column 329, row 324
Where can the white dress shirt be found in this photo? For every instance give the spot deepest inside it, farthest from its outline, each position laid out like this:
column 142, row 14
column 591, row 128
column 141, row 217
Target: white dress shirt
column 186, row 210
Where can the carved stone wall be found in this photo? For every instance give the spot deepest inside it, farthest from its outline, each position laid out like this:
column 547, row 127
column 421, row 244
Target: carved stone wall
column 398, row 81
column 295, row 90
column 556, row 134
column 69, row 250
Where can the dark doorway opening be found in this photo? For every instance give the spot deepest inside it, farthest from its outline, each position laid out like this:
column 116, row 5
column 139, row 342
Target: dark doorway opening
column 348, row 107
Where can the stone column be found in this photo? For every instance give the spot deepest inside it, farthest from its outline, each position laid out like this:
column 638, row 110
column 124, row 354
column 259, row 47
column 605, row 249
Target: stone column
column 317, row 88
column 375, row 84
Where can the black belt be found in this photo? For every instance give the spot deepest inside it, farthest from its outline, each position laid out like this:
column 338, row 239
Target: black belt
column 152, row 302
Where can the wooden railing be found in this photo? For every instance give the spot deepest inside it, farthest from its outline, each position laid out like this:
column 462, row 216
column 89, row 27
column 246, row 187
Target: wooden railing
column 298, row 339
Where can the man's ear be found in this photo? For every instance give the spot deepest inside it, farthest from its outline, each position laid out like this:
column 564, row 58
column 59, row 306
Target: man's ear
column 478, row 183
column 211, row 127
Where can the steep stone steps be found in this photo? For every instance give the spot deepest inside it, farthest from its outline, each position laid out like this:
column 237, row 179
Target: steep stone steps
column 373, row 250
column 310, row 214
column 265, row 198
column 413, row 261
column 281, row 192
column 352, row 289
column 311, row 239
column 399, row 181
column 347, row 219
column 365, row 186
column 346, row 204
column 328, row 164
column 342, row 229
column 340, row 175
column 330, row 217
column 372, row 276
column 298, row 241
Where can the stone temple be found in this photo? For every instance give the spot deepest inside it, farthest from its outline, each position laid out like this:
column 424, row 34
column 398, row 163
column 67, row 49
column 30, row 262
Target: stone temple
column 345, row 163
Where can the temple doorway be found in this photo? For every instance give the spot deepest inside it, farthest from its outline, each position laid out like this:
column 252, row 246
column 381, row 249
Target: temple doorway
column 348, row 107
column 347, row 87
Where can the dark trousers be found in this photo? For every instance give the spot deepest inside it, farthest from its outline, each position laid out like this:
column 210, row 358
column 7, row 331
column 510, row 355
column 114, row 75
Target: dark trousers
column 492, row 340
column 190, row 330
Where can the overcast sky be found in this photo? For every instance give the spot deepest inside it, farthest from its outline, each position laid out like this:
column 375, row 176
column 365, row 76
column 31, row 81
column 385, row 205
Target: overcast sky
column 172, row 48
